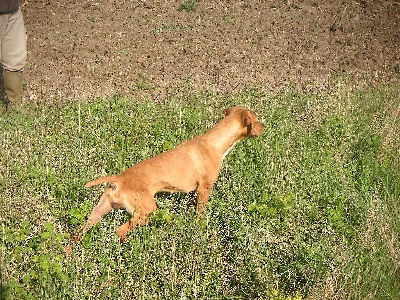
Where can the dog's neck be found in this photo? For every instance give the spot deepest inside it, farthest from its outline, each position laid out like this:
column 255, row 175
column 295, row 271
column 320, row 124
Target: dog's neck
column 225, row 135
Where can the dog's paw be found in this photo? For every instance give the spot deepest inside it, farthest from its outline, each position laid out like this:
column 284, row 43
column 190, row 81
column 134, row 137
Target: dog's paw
column 68, row 250
column 123, row 239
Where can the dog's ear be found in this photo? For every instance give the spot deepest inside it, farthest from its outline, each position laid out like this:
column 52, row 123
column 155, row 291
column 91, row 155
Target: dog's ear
column 227, row 111
column 247, row 118
column 254, row 128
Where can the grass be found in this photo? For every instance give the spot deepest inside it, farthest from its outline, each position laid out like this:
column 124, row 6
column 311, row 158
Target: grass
column 188, row 5
column 310, row 210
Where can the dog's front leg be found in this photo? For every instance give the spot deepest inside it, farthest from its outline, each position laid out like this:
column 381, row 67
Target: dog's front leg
column 203, row 194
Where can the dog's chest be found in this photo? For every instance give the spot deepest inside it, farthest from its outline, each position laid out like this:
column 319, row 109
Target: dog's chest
column 230, row 148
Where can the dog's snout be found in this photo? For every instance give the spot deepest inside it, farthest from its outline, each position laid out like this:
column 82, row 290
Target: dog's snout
column 257, row 129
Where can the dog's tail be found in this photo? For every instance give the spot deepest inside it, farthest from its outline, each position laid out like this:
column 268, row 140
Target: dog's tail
column 100, row 180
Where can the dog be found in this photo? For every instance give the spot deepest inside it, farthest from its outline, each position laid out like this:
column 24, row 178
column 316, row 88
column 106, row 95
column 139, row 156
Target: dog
column 193, row 165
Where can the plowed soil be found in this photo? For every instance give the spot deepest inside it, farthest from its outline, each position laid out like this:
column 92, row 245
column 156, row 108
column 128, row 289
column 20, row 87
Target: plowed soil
column 98, row 48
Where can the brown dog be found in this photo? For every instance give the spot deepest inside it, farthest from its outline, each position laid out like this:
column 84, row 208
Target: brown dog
column 193, row 165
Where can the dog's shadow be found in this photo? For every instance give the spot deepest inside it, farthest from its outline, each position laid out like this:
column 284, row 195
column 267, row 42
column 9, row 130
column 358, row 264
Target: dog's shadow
column 177, row 203
column 4, row 290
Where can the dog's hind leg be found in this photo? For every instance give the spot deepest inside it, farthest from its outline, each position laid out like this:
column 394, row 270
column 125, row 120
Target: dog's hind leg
column 105, row 205
column 139, row 217
column 136, row 221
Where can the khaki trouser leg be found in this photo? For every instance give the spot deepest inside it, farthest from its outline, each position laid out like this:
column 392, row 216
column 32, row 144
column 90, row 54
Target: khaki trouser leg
column 12, row 58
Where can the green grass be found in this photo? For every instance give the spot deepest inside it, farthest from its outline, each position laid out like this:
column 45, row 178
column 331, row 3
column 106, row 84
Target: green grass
column 188, row 5
column 310, row 210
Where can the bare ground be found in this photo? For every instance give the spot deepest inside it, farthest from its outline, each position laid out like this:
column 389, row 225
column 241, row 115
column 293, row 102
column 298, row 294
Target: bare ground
column 92, row 48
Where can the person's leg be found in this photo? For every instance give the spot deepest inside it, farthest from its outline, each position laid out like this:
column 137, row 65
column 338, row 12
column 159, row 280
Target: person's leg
column 3, row 96
column 13, row 57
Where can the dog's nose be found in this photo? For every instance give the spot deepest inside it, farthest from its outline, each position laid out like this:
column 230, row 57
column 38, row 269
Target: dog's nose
column 257, row 129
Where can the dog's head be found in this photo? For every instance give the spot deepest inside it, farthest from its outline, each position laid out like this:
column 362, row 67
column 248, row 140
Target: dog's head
column 248, row 120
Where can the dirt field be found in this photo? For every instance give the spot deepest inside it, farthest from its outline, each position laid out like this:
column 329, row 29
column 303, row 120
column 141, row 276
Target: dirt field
column 97, row 48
